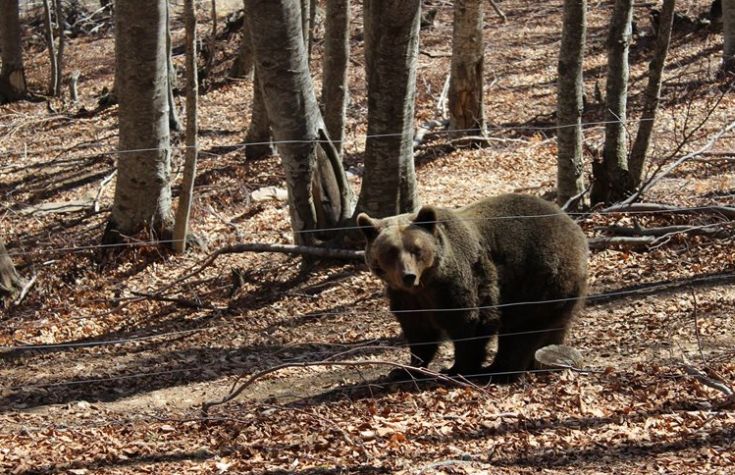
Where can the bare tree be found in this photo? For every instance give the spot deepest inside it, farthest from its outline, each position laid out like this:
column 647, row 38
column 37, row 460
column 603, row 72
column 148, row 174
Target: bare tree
column 652, row 94
column 59, row 10
column 728, row 33
column 288, row 93
column 181, row 226
column 12, row 74
column 391, row 50
column 173, row 113
column 10, row 282
column 143, row 192
column 612, row 179
column 54, row 78
column 242, row 67
column 336, row 61
column 466, row 110
column 570, row 169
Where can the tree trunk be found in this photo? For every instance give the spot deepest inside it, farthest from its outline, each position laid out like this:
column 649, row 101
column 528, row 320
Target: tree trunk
column 652, row 94
column 54, row 70
column 142, row 193
column 306, row 26
column 728, row 33
column 173, row 113
column 10, row 282
column 242, row 67
column 570, row 168
column 336, row 60
column 288, row 94
column 466, row 109
column 612, row 179
column 391, row 50
column 12, row 75
column 62, row 43
column 181, row 227
column 258, row 137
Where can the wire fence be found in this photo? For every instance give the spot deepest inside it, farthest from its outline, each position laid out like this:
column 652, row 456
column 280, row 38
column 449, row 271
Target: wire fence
column 157, row 242
column 241, row 145
column 699, row 280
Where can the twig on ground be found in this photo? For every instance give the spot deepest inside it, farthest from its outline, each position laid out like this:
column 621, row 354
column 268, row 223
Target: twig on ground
column 237, row 390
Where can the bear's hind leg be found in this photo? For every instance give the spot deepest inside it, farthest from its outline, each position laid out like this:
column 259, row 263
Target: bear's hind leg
column 470, row 348
column 515, row 356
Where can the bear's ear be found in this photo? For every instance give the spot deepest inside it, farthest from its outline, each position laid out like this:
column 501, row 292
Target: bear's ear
column 368, row 226
column 426, row 218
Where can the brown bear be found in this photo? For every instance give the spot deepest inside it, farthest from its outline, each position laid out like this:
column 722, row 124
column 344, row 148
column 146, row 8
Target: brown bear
column 511, row 265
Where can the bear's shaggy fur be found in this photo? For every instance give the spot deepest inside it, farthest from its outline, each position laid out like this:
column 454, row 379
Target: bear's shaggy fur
column 511, row 265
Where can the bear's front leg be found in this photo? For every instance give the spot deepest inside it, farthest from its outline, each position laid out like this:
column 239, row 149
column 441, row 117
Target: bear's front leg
column 419, row 329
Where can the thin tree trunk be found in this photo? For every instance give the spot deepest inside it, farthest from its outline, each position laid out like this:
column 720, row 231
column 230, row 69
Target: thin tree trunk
column 466, row 109
column 142, row 193
column 173, row 113
column 652, row 94
column 10, row 282
column 62, row 43
column 281, row 65
column 53, row 77
column 570, row 168
column 391, row 50
column 336, row 61
column 12, row 75
column 242, row 67
column 728, row 33
column 181, row 227
column 612, row 179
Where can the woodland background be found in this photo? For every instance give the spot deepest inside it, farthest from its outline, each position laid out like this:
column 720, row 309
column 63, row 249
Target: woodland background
column 105, row 368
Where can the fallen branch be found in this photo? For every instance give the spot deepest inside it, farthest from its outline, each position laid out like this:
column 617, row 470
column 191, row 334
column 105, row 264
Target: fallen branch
column 103, row 184
column 706, row 230
column 658, row 176
column 24, row 290
column 425, row 129
column 713, row 383
column 726, row 211
column 618, row 241
column 237, row 390
column 498, row 11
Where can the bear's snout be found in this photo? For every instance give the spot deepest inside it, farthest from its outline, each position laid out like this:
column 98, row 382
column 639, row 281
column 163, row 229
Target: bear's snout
column 410, row 279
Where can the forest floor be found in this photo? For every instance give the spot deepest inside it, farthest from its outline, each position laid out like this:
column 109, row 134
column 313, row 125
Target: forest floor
column 104, row 370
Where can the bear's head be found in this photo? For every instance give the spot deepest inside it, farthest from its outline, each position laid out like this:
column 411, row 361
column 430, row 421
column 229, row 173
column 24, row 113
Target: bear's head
column 401, row 250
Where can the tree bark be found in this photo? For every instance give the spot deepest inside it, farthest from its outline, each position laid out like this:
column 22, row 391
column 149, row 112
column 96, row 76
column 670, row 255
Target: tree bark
column 181, row 227
column 728, row 34
column 391, row 50
column 336, row 61
column 143, row 193
column 173, row 113
column 283, row 72
column 54, row 70
column 62, row 43
column 466, row 109
column 242, row 67
column 652, row 94
column 10, row 282
column 570, row 89
column 612, row 179
column 12, row 75
column 258, row 136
